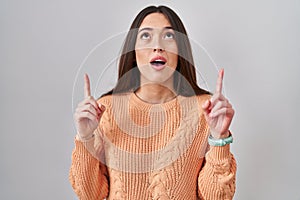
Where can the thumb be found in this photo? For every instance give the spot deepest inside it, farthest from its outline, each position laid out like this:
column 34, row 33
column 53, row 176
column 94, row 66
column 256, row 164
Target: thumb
column 205, row 107
column 102, row 107
column 206, row 104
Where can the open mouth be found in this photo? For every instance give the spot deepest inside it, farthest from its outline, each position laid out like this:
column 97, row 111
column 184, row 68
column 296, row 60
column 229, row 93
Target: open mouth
column 158, row 62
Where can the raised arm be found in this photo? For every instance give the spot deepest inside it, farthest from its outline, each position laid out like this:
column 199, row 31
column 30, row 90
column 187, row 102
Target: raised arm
column 216, row 179
column 88, row 176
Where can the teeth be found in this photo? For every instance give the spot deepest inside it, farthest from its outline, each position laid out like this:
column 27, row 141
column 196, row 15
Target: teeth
column 158, row 62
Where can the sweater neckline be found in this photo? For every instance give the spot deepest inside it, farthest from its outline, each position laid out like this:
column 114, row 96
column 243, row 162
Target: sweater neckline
column 143, row 105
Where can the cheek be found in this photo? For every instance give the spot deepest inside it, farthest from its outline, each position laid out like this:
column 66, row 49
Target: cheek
column 141, row 57
column 173, row 60
column 172, row 52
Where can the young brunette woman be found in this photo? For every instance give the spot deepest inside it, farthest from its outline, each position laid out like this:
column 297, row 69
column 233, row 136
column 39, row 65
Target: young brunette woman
column 156, row 135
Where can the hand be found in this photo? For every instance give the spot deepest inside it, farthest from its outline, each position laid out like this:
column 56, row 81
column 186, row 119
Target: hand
column 218, row 111
column 88, row 112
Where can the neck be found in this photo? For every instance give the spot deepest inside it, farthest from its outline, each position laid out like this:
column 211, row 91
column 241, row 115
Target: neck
column 155, row 94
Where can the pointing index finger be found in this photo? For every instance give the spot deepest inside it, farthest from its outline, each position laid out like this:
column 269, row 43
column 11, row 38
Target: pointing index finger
column 87, row 88
column 220, row 81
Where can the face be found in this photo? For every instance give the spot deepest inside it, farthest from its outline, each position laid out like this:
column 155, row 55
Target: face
column 156, row 49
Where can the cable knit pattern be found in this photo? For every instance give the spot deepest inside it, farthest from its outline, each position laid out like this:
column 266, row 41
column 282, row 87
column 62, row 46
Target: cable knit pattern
column 157, row 186
column 152, row 151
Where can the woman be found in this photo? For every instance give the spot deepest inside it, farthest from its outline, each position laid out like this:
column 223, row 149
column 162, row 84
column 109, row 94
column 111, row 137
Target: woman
column 156, row 135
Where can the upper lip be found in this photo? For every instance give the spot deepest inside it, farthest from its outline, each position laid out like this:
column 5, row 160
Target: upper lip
column 158, row 58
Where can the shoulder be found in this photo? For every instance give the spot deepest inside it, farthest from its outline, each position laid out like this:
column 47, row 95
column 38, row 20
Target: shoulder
column 193, row 102
column 198, row 98
column 203, row 97
column 107, row 100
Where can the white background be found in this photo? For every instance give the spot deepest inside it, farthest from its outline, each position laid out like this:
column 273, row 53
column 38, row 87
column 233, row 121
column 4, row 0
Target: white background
column 43, row 43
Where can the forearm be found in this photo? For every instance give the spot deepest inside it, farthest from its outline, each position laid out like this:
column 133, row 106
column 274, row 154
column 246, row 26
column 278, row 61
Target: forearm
column 87, row 174
column 217, row 178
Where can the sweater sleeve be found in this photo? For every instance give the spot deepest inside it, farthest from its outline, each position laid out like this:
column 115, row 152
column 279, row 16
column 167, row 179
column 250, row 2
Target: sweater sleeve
column 216, row 179
column 88, row 176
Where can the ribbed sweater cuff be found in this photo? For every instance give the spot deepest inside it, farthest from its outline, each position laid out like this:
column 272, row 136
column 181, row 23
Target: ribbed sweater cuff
column 81, row 149
column 218, row 154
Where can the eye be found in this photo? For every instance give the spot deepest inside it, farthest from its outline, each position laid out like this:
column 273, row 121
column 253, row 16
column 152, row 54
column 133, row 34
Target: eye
column 145, row 36
column 169, row 35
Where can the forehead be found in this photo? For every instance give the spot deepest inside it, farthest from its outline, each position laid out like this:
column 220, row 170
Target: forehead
column 155, row 20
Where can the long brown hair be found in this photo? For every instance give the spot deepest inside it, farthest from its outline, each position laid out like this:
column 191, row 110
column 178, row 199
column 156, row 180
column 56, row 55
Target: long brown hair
column 185, row 82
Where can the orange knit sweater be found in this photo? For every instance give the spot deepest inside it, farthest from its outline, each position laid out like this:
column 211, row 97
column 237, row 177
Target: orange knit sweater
column 152, row 151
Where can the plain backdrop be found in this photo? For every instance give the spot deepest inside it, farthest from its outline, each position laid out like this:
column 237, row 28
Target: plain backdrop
column 43, row 43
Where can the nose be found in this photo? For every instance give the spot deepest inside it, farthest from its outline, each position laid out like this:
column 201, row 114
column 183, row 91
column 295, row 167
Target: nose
column 157, row 45
column 158, row 50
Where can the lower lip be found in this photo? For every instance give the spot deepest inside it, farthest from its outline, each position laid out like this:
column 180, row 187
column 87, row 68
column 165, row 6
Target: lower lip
column 158, row 67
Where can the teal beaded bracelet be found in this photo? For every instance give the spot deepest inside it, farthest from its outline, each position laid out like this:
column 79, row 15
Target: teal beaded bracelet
column 219, row 142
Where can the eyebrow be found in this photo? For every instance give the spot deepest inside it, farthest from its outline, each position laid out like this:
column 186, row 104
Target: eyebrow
column 151, row 29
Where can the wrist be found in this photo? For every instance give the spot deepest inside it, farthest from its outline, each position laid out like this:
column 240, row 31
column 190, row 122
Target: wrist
column 220, row 141
column 220, row 136
column 225, row 135
column 84, row 138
